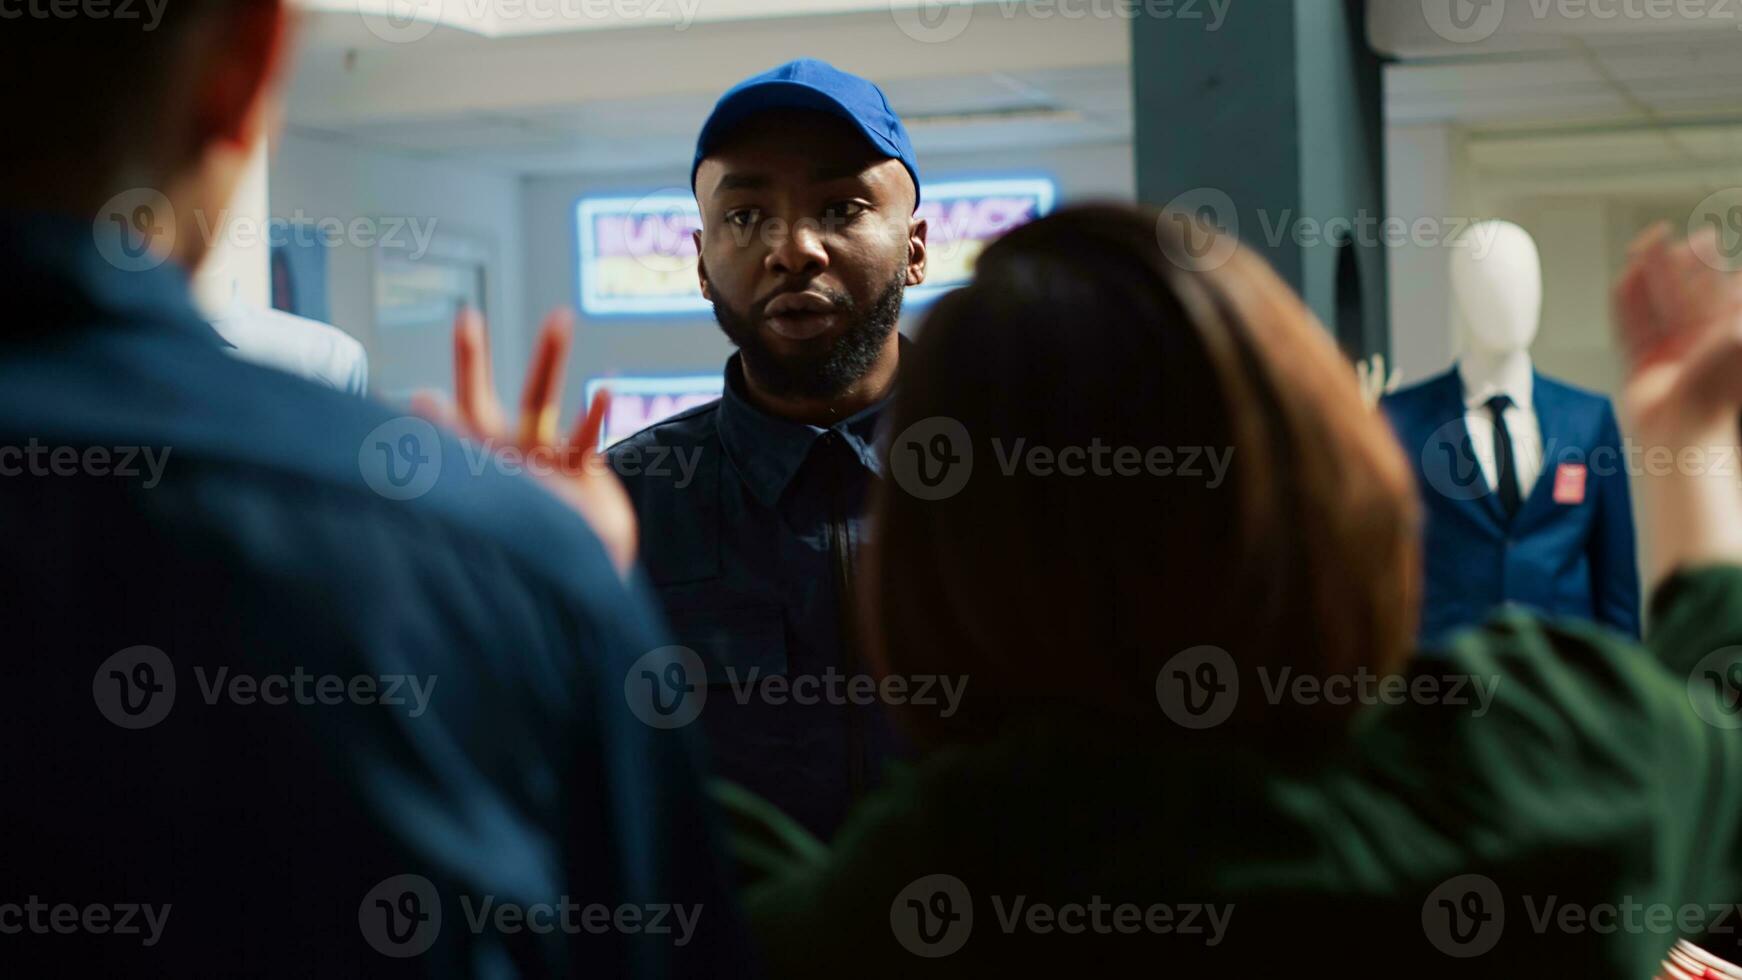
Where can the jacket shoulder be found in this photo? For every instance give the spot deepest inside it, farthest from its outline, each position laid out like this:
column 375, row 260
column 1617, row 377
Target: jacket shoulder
column 1571, row 393
column 687, row 428
column 1407, row 403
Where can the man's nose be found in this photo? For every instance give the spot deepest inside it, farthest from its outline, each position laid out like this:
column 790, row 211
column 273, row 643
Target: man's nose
column 798, row 249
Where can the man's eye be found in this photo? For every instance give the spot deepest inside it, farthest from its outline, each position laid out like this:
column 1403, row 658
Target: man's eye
column 843, row 210
column 741, row 219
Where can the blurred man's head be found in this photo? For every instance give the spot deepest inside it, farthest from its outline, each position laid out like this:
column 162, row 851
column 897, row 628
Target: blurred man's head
column 170, row 96
column 807, row 188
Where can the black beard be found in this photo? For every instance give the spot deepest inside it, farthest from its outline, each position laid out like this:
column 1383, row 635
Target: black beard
column 829, row 372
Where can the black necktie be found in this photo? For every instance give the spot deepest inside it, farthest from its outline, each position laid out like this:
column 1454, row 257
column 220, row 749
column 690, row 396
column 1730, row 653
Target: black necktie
column 1505, row 466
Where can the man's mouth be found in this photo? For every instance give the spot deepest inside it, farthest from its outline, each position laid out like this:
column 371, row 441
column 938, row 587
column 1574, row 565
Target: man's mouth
column 801, row 316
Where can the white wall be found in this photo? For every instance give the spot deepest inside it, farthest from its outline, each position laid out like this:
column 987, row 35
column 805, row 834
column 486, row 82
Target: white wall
column 324, row 179
column 693, row 344
column 1424, row 179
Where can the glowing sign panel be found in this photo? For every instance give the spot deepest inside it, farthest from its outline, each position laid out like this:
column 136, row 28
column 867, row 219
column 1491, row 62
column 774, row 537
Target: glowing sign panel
column 637, row 255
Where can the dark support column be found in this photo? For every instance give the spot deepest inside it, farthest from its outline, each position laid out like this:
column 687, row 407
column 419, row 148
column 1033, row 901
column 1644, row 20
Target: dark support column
column 1273, row 121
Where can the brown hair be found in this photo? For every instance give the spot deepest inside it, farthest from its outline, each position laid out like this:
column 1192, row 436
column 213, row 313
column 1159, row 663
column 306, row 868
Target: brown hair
column 1098, row 326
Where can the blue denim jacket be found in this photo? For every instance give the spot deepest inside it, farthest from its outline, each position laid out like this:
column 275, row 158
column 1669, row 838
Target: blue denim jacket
column 750, row 530
column 294, row 673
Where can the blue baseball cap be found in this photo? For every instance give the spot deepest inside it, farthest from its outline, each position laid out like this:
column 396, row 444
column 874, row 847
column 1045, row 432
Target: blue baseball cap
column 810, row 84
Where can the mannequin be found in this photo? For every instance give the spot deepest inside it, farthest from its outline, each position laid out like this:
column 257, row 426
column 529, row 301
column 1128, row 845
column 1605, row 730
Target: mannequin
column 1496, row 312
column 1523, row 487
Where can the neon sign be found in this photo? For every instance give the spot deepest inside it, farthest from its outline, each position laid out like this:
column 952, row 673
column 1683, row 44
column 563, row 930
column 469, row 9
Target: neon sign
column 637, row 254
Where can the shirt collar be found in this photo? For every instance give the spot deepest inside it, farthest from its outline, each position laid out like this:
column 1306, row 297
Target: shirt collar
column 769, row 451
column 52, row 264
column 1522, row 391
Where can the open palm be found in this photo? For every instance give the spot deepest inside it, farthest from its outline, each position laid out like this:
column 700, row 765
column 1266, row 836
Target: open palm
column 572, row 468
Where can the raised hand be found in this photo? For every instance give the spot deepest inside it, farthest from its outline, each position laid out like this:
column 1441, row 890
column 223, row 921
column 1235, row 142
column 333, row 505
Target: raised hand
column 1679, row 312
column 572, row 467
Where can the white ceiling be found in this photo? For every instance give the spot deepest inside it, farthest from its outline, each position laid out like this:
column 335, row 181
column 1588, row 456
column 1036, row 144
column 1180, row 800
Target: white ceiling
column 1566, row 103
column 1647, row 112
column 616, row 101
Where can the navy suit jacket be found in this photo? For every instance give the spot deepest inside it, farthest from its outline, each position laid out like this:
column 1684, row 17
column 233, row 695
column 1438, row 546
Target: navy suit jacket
column 249, row 767
column 1573, row 556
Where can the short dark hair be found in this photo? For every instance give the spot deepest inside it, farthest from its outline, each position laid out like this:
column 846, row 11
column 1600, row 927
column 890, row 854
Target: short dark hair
column 89, row 92
column 1048, row 591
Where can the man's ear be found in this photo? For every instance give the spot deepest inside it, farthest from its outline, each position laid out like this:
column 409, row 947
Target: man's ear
column 916, row 254
column 245, row 49
column 702, row 268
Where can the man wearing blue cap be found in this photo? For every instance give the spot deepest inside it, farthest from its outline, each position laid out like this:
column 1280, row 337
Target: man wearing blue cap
column 808, row 187
column 808, row 191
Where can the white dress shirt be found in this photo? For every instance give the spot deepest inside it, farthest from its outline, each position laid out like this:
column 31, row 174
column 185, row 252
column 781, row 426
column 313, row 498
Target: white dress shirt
column 323, row 354
column 1520, row 421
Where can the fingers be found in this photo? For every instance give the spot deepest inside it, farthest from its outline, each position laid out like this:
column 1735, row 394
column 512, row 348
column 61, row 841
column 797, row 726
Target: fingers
column 584, row 442
column 474, row 391
column 541, row 397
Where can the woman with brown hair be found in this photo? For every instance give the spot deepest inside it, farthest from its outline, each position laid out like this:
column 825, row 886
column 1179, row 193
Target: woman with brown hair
column 1176, row 579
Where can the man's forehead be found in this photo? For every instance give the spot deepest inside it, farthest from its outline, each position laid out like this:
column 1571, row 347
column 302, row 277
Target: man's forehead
column 796, row 145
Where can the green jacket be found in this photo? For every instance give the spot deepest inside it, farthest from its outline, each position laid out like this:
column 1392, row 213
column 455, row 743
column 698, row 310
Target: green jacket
column 1580, row 815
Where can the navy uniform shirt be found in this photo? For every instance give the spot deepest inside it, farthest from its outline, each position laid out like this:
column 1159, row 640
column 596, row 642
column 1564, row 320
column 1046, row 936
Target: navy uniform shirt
column 750, row 529
column 292, row 688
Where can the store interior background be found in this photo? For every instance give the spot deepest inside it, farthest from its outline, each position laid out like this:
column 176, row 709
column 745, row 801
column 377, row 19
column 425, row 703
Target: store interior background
column 1581, row 130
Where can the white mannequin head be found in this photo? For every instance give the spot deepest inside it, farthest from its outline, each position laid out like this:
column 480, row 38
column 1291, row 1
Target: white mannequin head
column 1496, row 289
